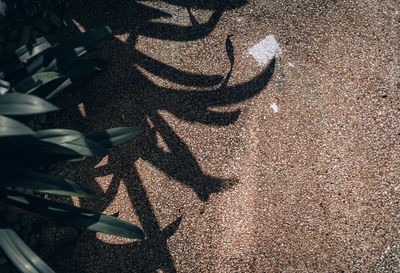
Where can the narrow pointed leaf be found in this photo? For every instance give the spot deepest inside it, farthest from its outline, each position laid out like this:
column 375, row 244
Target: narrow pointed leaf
column 25, row 53
column 73, row 74
column 115, row 136
column 79, row 217
column 20, row 254
column 22, row 104
column 11, row 127
column 48, row 147
column 27, row 179
column 70, row 142
column 31, row 83
column 67, row 53
column 41, row 44
column 53, row 88
column 89, row 39
column 4, row 87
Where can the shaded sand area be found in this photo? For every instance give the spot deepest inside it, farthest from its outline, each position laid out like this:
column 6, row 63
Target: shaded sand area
column 287, row 166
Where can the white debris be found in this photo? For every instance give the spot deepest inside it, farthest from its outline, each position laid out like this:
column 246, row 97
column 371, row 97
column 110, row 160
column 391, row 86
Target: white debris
column 290, row 64
column 274, row 107
column 265, row 50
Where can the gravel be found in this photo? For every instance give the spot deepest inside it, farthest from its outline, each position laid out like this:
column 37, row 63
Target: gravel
column 219, row 181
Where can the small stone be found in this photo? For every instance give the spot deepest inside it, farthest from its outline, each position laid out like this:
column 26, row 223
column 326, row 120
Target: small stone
column 55, row 19
column 41, row 25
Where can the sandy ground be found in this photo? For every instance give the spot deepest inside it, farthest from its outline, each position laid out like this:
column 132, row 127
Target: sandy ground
column 219, row 180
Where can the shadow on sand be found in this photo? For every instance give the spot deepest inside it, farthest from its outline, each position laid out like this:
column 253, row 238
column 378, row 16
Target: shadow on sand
column 146, row 99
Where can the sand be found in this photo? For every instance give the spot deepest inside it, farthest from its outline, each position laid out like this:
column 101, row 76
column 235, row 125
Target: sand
column 291, row 166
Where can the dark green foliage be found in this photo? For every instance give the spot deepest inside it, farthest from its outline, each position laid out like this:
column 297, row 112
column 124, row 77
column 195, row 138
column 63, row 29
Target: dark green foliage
column 15, row 104
column 19, row 253
column 51, row 63
column 31, row 180
column 79, row 217
column 31, row 75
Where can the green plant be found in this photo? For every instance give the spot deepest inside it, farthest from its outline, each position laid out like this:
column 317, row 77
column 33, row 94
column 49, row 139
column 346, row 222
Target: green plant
column 36, row 73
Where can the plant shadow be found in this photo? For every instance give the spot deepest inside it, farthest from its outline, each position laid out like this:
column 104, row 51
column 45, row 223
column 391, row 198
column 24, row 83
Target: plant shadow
column 141, row 101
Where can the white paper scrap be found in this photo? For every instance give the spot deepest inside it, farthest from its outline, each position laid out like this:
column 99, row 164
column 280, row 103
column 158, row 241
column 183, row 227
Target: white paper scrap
column 274, row 107
column 265, row 50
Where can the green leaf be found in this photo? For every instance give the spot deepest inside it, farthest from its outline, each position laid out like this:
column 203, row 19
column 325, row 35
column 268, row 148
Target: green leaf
column 27, row 179
column 20, row 254
column 48, row 146
column 11, row 127
column 26, row 52
column 73, row 74
column 64, row 55
column 4, row 87
column 115, row 136
column 70, row 142
column 31, row 83
column 21, row 104
column 41, row 44
column 79, row 217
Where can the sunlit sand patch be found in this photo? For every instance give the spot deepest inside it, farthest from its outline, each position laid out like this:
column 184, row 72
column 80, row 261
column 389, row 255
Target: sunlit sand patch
column 79, row 26
column 81, row 108
column 161, row 143
column 122, row 37
column 123, row 206
column 76, row 201
column 103, row 162
column 104, row 181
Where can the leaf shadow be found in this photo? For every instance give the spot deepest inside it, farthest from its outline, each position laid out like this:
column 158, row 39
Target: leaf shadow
column 146, row 100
